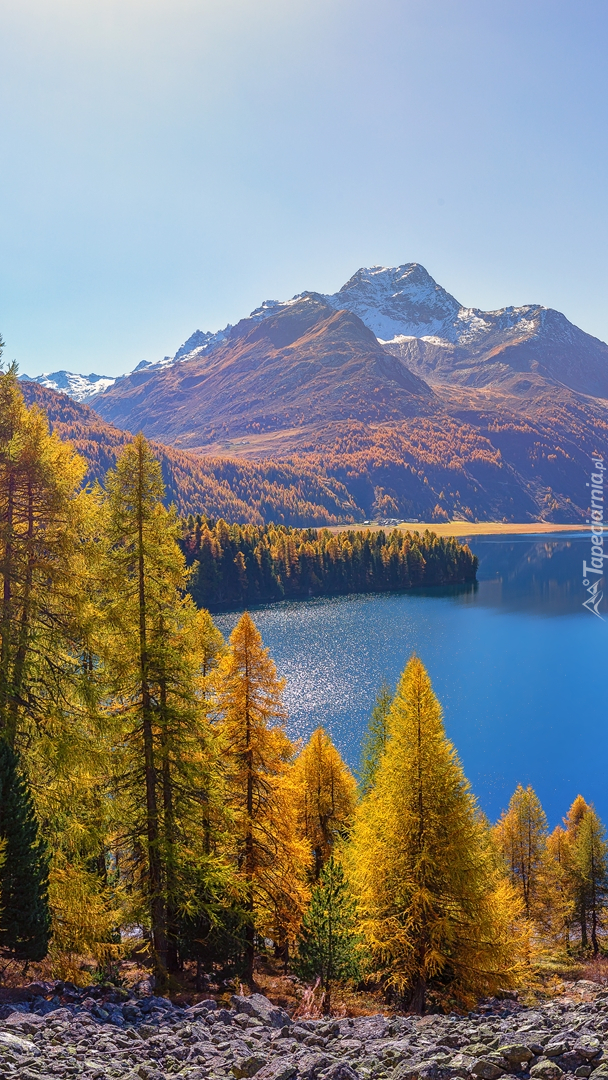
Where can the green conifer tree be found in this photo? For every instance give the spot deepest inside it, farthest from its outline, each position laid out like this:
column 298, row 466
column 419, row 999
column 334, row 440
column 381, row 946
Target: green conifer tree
column 375, row 739
column 329, row 944
column 24, row 910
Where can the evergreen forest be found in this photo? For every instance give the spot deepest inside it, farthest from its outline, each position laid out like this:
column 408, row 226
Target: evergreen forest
column 152, row 804
column 236, row 565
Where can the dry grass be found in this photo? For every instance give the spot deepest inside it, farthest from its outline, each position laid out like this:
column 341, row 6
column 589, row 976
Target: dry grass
column 468, row 528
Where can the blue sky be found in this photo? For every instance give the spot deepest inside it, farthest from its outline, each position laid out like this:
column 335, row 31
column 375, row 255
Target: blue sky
column 169, row 164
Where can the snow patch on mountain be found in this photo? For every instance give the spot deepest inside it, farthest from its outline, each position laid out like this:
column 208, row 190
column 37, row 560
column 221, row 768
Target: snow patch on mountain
column 78, row 387
column 397, row 304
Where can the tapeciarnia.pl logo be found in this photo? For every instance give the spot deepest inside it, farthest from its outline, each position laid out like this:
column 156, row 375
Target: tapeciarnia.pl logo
column 593, row 584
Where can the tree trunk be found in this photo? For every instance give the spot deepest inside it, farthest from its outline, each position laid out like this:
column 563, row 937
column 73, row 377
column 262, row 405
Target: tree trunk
column 7, row 607
column 416, row 1002
column 594, row 942
column 155, row 882
column 249, row 853
column 24, row 622
column 169, row 830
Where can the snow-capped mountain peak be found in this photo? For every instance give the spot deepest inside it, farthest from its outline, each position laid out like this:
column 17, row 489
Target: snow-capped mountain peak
column 78, row 387
column 398, row 301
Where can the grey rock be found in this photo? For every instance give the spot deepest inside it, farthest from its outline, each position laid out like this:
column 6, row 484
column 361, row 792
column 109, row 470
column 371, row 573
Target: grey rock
column 278, row 1070
column 546, row 1070
column 261, row 1008
column 461, row 1064
column 248, row 1066
column 486, row 1070
column 588, row 1046
column 408, row 1071
column 555, row 1049
column 341, row 1070
column 516, row 1055
column 310, row 1065
column 17, row 1044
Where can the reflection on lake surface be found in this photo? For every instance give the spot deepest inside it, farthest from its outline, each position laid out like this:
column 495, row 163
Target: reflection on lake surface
column 518, row 664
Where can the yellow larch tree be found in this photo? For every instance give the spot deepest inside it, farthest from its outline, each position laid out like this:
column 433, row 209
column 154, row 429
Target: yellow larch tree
column 257, row 756
column 49, row 690
column 435, row 907
column 559, row 850
column 325, row 796
column 158, row 655
column 521, row 837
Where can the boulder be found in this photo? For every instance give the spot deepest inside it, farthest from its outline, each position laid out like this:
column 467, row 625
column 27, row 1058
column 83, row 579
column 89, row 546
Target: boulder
column 588, row 1047
column 16, row 1043
column 277, row 1070
column 486, row 1070
column 248, row 1066
column 310, row 1065
column 262, row 1009
column 517, row 1055
column 546, row 1070
column 341, row 1070
column 556, row 1048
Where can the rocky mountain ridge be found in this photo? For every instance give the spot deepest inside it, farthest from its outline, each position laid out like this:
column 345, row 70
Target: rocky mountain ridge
column 77, row 387
column 419, row 321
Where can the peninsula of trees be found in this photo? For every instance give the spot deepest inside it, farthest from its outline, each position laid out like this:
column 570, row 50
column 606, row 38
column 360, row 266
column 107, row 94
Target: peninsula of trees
column 240, row 565
column 151, row 798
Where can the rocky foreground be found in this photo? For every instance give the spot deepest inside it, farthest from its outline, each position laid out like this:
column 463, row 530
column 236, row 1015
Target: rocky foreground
column 99, row 1034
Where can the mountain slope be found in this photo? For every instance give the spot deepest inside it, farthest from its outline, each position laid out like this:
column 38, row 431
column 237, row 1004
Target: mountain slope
column 304, row 364
column 445, row 342
column 313, row 386
column 475, row 455
column 467, row 346
column 256, row 492
column 420, row 323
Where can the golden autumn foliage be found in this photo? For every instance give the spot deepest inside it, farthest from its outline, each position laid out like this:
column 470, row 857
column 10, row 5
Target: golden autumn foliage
column 170, row 799
column 325, row 795
column 434, row 908
column 257, row 754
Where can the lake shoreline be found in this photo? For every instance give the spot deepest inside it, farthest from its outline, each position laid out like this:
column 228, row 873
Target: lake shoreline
column 469, row 528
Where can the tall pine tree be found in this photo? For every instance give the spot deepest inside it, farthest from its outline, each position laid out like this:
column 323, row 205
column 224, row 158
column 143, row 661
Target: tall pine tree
column 257, row 756
column 434, row 908
column 159, row 652
column 521, row 835
column 325, row 796
column 590, row 859
column 375, row 739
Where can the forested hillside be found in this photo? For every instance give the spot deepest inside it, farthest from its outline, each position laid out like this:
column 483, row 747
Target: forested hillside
column 507, row 438
column 296, row 494
column 154, row 808
column 240, row 565
column 489, row 463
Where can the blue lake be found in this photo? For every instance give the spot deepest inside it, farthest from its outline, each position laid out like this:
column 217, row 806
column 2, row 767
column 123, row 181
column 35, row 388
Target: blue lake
column 516, row 661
